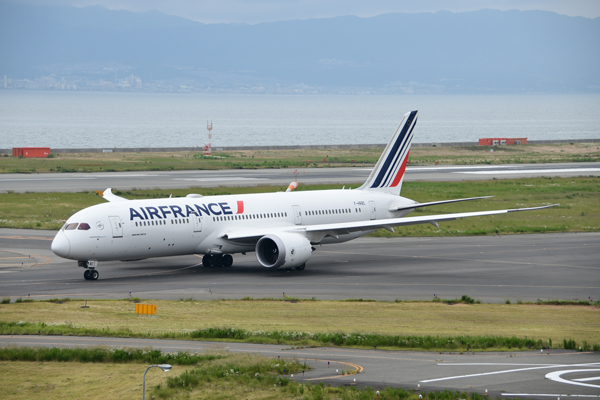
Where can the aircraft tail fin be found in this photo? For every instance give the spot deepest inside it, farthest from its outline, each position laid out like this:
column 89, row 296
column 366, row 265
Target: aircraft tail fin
column 388, row 173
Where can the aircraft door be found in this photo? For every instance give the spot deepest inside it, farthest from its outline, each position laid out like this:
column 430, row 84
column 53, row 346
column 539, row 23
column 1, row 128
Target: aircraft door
column 297, row 215
column 197, row 223
column 117, row 227
column 373, row 210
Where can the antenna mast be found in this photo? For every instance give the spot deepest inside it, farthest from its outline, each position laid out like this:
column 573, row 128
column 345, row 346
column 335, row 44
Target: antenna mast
column 208, row 146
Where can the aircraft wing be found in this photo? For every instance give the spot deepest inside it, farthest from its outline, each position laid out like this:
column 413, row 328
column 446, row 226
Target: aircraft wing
column 433, row 203
column 348, row 227
column 356, row 226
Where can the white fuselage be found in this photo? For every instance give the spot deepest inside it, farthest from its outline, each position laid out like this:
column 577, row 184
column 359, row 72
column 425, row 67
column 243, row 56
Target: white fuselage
column 137, row 229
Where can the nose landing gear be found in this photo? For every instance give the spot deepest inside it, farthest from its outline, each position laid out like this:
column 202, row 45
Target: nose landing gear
column 90, row 273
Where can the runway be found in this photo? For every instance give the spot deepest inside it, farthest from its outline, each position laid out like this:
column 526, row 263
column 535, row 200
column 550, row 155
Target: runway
column 489, row 268
column 522, row 374
column 76, row 182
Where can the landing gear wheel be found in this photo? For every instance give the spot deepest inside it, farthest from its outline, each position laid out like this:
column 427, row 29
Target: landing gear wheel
column 217, row 260
column 301, row 267
column 207, row 260
column 227, row 260
column 86, row 274
column 94, row 275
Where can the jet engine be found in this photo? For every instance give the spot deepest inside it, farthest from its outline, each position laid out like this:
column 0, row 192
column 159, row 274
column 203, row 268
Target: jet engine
column 287, row 250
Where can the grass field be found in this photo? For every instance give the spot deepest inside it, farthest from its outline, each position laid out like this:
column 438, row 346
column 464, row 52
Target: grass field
column 253, row 377
column 165, row 161
column 579, row 209
column 227, row 378
column 579, row 323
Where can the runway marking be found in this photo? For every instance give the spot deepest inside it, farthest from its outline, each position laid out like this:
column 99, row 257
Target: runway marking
column 556, row 377
column 593, row 378
column 46, row 179
column 27, row 237
column 359, row 369
column 32, row 257
column 550, row 395
column 232, row 178
column 417, row 169
column 532, row 171
column 546, row 366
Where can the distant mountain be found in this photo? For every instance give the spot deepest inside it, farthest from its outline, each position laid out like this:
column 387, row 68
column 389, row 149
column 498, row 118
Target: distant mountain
column 496, row 51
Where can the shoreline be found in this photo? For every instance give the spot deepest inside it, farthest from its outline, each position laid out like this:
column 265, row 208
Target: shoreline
column 296, row 147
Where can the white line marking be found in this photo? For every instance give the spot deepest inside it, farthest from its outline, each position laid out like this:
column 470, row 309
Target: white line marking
column 46, row 179
column 593, row 378
column 496, row 364
column 233, row 178
column 533, row 171
column 509, row 371
column 550, row 395
column 454, row 167
column 556, row 377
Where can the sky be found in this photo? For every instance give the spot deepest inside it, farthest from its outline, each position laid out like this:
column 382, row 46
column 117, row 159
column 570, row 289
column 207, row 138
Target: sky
column 257, row 11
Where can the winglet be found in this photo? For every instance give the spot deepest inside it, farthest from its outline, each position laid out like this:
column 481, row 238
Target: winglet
column 110, row 196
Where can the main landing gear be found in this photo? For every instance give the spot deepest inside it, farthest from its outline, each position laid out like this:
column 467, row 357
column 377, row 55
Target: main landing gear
column 90, row 273
column 217, row 260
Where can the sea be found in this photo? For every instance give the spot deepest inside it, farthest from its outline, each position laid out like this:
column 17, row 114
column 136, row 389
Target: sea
column 71, row 119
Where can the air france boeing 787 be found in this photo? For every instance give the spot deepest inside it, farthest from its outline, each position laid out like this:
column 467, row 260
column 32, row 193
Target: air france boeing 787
column 281, row 228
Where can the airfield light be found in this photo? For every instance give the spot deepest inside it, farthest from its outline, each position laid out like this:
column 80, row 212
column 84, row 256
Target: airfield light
column 164, row 367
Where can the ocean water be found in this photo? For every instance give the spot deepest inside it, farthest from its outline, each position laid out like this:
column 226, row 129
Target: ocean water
column 112, row 119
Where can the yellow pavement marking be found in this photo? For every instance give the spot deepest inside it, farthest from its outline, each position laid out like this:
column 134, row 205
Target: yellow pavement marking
column 358, row 370
column 32, row 257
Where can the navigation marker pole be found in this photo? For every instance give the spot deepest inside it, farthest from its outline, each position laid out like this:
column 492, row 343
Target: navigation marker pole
column 208, row 146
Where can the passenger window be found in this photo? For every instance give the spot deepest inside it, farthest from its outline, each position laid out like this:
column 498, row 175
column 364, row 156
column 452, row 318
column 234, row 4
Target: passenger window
column 83, row 227
column 71, row 226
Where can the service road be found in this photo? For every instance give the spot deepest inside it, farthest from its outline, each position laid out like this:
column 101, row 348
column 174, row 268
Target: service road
column 523, row 374
column 76, row 182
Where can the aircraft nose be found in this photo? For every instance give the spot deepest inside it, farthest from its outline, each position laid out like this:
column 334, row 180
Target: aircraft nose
column 61, row 245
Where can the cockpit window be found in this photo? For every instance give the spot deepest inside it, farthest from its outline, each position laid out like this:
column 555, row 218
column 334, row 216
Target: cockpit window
column 83, row 227
column 71, row 226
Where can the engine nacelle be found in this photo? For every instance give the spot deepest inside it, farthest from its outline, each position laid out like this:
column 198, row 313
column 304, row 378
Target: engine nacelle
column 287, row 250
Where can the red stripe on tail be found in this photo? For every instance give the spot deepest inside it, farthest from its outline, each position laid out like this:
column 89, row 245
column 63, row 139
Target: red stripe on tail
column 400, row 173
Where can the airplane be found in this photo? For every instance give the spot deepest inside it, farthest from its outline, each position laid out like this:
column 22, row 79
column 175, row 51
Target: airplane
column 281, row 228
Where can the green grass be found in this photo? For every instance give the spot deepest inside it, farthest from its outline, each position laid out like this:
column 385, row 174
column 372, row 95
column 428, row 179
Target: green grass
column 579, row 209
column 254, row 159
column 102, row 354
column 443, row 325
column 253, row 378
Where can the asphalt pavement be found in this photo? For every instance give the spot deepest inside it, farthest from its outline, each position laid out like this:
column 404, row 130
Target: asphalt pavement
column 489, row 268
column 76, row 182
column 518, row 374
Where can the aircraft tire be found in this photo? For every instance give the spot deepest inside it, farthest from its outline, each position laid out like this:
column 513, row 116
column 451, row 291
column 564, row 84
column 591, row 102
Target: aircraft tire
column 207, row 260
column 227, row 260
column 301, row 267
column 86, row 274
column 217, row 260
column 94, row 275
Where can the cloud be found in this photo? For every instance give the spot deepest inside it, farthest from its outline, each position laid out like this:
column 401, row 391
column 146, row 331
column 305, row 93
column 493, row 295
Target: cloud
column 256, row 11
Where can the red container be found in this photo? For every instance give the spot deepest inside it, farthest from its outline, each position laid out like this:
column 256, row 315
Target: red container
column 31, row 152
